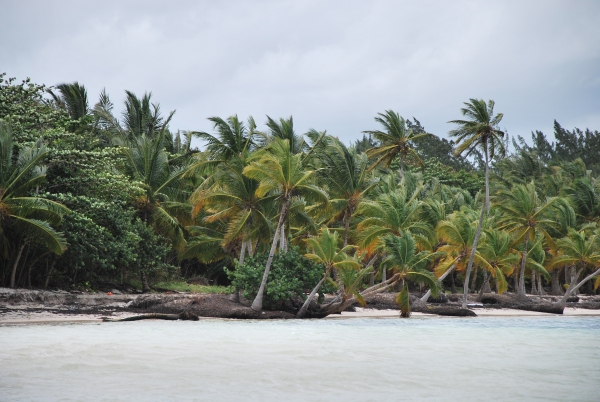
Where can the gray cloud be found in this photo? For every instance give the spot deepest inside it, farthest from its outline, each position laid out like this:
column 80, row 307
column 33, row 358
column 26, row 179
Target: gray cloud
column 332, row 65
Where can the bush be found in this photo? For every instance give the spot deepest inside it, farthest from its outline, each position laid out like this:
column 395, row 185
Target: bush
column 291, row 275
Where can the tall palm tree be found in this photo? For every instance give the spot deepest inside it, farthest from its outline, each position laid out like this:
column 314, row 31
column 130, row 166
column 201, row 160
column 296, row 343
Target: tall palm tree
column 526, row 215
column 480, row 131
column 581, row 251
column 407, row 264
column 27, row 216
column 325, row 251
column 395, row 141
column 280, row 171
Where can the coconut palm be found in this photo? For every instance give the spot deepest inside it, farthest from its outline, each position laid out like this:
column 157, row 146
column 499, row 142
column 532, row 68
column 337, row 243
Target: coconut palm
column 582, row 251
column 391, row 213
column 499, row 256
column 72, row 98
column 28, row 217
column 345, row 174
column 525, row 215
column 456, row 234
column 406, row 264
column 232, row 138
column 395, row 141
column 280, row 171
column 584, row 196
column 480, row 131
column 232, row 198
column 325, row 251
column 140, row 118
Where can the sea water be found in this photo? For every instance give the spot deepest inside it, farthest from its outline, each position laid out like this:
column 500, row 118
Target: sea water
column 422, row 358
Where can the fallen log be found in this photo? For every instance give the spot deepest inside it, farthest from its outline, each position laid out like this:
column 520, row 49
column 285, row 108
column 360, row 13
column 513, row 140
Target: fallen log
column 540, row 308
column 450, row 311
column 186, row 315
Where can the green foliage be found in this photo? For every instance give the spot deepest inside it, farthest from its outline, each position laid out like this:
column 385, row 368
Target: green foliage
column 291, row 275
column 29, row 113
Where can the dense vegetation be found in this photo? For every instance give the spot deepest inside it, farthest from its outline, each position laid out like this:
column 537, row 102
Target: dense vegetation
column 87, row 198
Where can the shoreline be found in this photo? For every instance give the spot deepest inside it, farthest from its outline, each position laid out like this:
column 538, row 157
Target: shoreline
column 23, row 307
column 21, row 317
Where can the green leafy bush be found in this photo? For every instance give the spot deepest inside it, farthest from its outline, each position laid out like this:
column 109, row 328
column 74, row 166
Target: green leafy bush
column 291, row 275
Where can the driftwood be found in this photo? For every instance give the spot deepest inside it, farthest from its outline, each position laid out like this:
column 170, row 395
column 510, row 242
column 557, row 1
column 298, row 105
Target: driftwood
column 540, row 308
column 186, row 315
column 445, row 310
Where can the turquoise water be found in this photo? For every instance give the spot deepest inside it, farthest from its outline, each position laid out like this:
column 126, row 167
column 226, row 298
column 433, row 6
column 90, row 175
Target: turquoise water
column 487, row 358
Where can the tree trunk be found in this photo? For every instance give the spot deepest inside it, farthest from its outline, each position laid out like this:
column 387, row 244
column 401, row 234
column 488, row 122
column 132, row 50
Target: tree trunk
column 453, row 283
column 541, row 291
column 444, row 275
column 250, row 252
column 534, row 290
column 487, row 177
column 521, row 294
column 49, row 274
column 302, row 312
column 555, row 283
column 474, row 281
column 383, row 274
column 472, row 256
column 14, row 269
column 144, row 278
column 574, row 277
column 486, row 282
column 346, row 228
column 242, row 253
column 574, row 288
column 258, row 300
column 402, row 168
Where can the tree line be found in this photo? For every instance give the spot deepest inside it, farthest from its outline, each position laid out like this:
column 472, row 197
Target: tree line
column 88, row 197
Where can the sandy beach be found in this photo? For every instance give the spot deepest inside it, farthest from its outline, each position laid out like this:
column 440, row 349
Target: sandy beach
column 24, row 317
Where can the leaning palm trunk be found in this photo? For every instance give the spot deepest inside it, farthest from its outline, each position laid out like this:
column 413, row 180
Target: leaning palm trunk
column 258, row 300
column 574, row 287
column 302, row 312
column 472, row 256
column 521, row 294
column 533, row 283
column 444, row 275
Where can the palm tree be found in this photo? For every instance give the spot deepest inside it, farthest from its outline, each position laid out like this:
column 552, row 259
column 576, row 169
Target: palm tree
column 162, row 204
column 479, row 132
column 231, row 198
column 456, row 234
column 325, row 251
column 406, row 265
column 232, row 138
column 280, row 171
column 72, row 98
column 524, row 213
column 582, row 251
column 584, row 196
column 27, row 216
column 497, row 251
column 345, row 174
column 395, row 141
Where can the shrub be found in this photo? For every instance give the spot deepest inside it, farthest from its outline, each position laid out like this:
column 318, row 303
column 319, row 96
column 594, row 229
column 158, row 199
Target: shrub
column 291, row 275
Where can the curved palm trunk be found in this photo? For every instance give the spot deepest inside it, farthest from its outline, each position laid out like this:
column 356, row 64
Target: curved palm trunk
column 521, row 288
column 346, row 228
column 302, row 312
column 573, row 288
column 258, row 300
column 444, row 275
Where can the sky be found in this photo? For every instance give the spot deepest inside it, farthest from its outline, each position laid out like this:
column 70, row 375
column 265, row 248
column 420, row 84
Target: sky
column 332, row 65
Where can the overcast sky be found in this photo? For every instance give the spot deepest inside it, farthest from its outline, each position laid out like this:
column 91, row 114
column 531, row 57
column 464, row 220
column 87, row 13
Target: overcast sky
column 331, row 64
